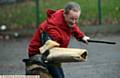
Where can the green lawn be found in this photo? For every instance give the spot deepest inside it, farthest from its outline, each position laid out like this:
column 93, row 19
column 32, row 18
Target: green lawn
column 23, row 14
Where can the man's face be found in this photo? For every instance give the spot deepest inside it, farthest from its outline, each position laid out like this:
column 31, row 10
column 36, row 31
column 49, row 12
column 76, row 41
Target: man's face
column 72, row 17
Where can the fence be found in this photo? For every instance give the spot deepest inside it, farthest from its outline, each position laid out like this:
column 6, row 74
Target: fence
column 19, row 14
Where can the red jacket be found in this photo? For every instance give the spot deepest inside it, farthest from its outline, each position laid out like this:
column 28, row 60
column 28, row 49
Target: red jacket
column 57, row 29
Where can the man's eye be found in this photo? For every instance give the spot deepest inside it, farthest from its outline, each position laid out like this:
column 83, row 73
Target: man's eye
column 73, row 18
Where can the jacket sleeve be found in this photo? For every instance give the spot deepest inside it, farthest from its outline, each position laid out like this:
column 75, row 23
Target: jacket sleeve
column 77, row 33
column 54, row 33
column 53, row 30
column 35, row 43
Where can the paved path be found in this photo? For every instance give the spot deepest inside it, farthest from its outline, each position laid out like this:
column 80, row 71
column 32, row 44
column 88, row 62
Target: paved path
column 103, row 59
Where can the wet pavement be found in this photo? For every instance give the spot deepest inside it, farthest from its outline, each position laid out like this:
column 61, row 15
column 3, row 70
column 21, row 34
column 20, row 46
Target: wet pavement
column 103, row 59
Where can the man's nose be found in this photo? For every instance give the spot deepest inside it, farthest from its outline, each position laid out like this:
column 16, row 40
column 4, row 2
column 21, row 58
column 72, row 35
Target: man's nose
column 73, row 21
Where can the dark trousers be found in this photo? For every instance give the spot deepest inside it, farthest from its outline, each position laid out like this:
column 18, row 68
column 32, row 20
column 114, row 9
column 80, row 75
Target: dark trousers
column 56, row 71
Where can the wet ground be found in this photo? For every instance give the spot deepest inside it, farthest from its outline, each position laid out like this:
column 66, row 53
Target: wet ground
column 103, row 59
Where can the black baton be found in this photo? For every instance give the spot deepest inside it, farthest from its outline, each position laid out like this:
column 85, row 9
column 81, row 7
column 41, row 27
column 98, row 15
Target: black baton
column 98, row 41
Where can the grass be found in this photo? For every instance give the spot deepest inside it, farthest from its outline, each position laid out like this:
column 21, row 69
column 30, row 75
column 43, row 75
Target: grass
column 23, row 14
column 18, row 15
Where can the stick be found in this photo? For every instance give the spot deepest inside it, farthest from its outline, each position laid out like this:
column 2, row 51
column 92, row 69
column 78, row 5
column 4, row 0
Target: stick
column 98, row 41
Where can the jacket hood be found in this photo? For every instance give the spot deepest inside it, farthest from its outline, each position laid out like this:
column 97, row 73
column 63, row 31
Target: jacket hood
column 50, row 12
column 57, row 18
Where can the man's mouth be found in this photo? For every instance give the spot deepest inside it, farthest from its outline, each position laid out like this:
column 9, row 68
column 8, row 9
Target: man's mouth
column 70, row 24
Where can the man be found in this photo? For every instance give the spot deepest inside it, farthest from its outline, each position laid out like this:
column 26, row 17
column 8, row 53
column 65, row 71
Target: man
column 59, row 26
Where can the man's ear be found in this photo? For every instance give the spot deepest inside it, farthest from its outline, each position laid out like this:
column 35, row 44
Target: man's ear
column 64, row 14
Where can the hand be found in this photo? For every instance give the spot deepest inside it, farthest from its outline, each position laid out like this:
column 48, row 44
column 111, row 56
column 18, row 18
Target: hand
column 85, row 39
